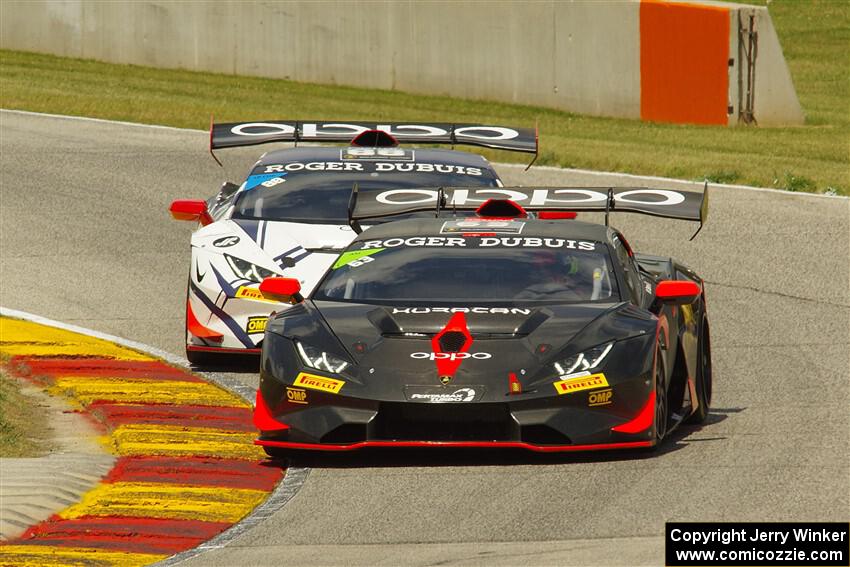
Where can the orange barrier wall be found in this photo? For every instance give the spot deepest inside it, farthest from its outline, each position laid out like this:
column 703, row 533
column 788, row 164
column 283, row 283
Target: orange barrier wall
column 684, row 53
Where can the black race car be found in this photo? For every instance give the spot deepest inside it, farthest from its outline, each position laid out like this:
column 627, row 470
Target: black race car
column 515, row 328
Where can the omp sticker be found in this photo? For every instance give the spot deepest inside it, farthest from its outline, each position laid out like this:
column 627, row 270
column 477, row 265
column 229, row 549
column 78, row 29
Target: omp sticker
column 352, row 257
column 252, row 293
column 296, row 396
column 320, row 383
column 256, row 325
column 600, row 398
column 572, row 385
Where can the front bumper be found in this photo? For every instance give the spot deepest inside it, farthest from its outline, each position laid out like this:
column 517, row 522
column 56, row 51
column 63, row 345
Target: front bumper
column 455, row 444
column 289, row 417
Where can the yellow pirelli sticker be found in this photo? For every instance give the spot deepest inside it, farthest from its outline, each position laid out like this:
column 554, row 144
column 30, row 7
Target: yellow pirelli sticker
column 579, row 383
column 253, row 293
column 320, row 383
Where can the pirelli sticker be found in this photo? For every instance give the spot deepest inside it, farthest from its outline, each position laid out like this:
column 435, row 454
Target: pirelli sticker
column 256, row 325
column 579, row 383
column 329, row 385
column 252, row 293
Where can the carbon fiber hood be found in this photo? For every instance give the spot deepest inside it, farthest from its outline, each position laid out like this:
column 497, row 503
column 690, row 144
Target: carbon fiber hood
column 396, row 344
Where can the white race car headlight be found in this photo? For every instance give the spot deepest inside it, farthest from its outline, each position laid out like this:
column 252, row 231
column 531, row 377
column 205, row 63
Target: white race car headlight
column 247, row 270
column 320, row 360
column 587, row 360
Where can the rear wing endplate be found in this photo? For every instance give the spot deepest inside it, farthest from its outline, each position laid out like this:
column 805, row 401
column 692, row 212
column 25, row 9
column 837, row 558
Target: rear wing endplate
column 666, row 203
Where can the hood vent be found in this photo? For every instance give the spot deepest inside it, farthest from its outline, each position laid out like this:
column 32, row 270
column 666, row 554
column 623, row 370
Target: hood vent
column 452, row 341
column 476, row 336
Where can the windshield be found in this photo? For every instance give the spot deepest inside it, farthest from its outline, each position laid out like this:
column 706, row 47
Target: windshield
column 314, row 193
column 475, row 269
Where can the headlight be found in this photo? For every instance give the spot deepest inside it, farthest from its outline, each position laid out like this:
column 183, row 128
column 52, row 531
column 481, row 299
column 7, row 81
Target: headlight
column 587, row 360
column 320, row 360
column 247, row 270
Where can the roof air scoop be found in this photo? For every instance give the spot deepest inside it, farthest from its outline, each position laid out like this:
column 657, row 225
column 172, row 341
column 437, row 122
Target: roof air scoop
column 500, row 209
column 374, row 139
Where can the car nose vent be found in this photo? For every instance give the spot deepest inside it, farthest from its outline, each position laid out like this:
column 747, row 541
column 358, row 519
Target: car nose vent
column 452, row 341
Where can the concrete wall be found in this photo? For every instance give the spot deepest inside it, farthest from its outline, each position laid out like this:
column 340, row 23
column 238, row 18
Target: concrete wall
column 583, row 57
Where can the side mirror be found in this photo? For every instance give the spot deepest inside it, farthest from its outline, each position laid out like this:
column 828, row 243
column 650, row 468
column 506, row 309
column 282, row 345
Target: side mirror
column 677, row 292
column 190, row 210
column 227, row 190
column 285, row 290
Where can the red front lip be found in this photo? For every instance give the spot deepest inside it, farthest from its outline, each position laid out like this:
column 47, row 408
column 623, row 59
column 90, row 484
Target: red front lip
column 467, row 444
column 223, row 350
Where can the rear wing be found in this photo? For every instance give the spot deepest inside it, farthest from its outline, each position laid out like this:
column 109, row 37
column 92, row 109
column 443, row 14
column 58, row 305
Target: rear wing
column 666, row 203
column 237, row 134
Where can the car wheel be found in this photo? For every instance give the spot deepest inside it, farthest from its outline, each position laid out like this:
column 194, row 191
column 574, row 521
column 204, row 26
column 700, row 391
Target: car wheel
column 661, row 405
column 704, row 377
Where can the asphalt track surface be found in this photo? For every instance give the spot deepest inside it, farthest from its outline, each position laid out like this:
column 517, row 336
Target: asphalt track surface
column 85, row 238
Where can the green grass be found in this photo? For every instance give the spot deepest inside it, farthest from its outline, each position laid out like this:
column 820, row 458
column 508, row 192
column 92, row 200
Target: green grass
column 815, row 36
column 22, row 430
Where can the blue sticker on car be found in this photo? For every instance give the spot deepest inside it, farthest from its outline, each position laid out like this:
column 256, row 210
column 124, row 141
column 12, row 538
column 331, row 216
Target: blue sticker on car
column 263, row 179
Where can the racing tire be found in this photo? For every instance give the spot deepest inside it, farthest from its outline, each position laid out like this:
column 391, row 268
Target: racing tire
column 662, row 407
column 704, row 381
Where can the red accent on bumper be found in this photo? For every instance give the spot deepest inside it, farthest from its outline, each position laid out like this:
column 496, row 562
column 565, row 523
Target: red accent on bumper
column 642, row 421
column 223, row 350
column 197, row 329
column 458, row 444
column 263, row 419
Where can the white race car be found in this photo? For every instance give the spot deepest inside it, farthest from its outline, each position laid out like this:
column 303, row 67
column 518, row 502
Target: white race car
column 290, row 215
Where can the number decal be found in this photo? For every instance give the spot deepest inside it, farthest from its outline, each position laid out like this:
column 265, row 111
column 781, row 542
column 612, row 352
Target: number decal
column 273, row 182
column 361, row 261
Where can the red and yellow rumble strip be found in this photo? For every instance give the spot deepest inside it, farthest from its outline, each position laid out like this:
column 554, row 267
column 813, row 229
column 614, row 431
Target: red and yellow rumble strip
column 187, row 468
